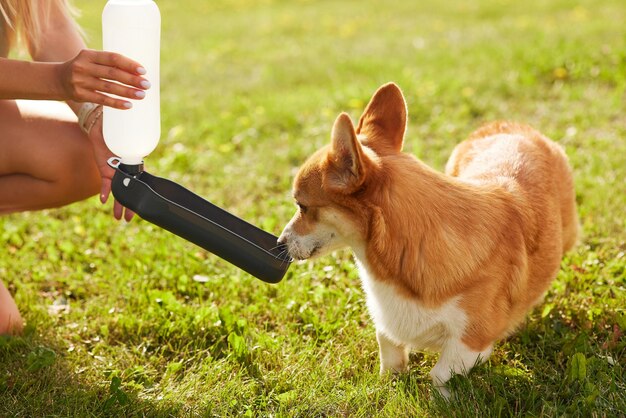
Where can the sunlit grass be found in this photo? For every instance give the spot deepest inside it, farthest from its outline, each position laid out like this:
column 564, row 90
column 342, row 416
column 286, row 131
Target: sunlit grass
column 249, row 90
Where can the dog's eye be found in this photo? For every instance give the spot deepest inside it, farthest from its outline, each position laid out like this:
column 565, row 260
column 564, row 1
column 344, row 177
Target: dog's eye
column 302, row 207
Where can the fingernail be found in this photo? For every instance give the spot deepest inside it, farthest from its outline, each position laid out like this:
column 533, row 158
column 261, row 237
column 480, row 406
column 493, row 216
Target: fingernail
column 103, row 198
column 145, row 84
column 141, row 70
column 140, row 94
column 128, row 105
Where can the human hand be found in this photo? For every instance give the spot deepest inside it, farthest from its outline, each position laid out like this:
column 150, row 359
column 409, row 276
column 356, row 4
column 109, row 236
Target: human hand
column 102, row 154
column 90, row 74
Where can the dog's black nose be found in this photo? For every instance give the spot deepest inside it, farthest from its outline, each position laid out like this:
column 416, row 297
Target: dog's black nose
column 282, row 250
column 282, row 240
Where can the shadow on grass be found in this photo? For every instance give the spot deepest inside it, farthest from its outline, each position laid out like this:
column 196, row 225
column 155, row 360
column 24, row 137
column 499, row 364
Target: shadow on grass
column 548, row 368
column 36, row 380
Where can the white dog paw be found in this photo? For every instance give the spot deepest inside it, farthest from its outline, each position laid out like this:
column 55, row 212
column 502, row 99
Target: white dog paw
column 445, row 393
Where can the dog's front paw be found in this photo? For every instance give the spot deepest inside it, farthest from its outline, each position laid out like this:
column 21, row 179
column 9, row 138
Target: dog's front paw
column 445, row 393
column 387, row 370
column 394, row 357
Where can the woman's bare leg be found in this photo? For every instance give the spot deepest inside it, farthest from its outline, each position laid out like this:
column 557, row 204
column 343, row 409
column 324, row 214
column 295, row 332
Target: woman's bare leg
column 10, row 319
column 45, row 159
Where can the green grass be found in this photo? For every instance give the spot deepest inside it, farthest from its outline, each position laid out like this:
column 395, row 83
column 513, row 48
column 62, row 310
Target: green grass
column 249, row 90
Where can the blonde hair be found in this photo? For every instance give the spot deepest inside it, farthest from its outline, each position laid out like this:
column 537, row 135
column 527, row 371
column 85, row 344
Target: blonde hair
column 24, row 20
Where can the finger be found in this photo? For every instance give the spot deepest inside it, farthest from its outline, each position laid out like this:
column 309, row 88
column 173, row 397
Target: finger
column 107, row 172
column 117, row 210
column 113, row 73
column 103, row 99
column 105, row 190
column 113, row 59
column 109, row 87
column 128, row 214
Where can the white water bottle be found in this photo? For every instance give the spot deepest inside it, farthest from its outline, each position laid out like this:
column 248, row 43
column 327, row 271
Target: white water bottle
column 133, row 29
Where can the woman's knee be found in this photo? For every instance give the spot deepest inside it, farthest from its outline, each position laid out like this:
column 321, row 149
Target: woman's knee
column 75, row 173
column 72, row 167
column 51, row 150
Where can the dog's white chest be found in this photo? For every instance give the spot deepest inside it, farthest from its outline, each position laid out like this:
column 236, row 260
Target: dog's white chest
column 406, row 321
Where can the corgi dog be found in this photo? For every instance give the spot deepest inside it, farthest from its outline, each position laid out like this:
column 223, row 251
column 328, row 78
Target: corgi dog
column 448, row 262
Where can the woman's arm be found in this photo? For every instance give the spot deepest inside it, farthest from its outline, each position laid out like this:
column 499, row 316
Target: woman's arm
column 30, row 80
column 81, row 79
column 59, row 39
column 65, row 70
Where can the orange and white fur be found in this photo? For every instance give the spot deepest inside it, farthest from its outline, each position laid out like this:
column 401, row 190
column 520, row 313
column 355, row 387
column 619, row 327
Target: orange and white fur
column 450, row 262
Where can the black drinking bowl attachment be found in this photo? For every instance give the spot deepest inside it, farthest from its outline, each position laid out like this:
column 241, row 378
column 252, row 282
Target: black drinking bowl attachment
column 172, row 207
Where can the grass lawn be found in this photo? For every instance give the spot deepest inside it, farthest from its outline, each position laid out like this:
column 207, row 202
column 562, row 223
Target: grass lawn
column 129, row 320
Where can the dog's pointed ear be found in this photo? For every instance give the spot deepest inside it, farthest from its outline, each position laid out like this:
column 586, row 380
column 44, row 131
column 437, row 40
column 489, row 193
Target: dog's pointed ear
column 383, row 122
column 347, row 171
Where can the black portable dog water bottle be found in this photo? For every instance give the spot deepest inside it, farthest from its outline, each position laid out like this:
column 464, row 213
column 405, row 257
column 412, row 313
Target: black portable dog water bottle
column 134, row 133
column 172, row 207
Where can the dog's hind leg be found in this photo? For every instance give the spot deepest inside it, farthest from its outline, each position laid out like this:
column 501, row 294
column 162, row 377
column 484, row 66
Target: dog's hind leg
column 394, row 357
column 456, row 358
